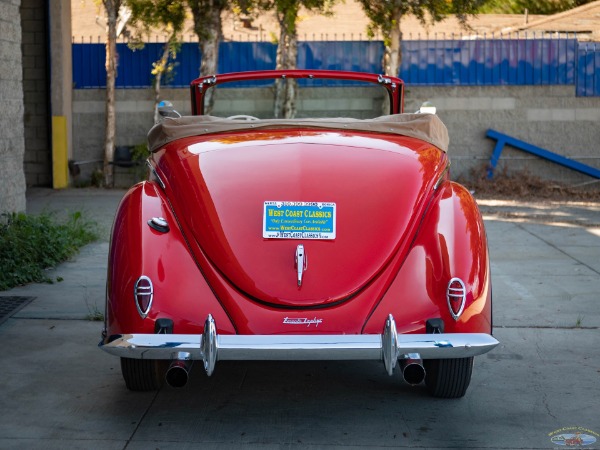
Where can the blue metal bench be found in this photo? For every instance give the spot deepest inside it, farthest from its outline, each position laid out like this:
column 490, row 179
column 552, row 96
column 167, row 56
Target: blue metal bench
column 504, row 139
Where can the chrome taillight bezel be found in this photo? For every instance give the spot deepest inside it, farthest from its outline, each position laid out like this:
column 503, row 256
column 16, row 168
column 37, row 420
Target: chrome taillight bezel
column 456, row 293
column 143, row 291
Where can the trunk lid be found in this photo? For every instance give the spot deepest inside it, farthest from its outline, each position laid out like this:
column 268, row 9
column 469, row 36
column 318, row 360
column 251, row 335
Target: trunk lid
column 380, row 186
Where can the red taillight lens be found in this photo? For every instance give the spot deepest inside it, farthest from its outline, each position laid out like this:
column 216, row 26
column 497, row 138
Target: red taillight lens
column 456, row 296
column 143, row 293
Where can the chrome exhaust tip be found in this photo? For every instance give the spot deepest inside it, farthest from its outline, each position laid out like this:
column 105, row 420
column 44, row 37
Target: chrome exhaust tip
column 412, row 369
column 178, row 372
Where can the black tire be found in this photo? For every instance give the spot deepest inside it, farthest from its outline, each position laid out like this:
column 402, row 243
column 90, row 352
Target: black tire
column 142, row 374
column 448, row 378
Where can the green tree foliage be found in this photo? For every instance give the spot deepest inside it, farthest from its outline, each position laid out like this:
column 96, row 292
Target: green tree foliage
column 287, row 15
column 167, row 16
column 385, row 16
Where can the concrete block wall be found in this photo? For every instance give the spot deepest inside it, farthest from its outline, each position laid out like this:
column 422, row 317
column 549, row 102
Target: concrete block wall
column 38, row 155
column 12, row 144
column 134, row 118
column 338, row 101
column 135, row 113
column 550, row 117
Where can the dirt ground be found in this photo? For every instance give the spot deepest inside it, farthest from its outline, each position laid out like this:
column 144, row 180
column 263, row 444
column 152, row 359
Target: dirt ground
column 527, row 187
column 525, row 198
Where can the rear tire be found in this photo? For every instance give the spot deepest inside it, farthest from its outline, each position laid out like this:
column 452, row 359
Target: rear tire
column 448, row 378
column 142, row 374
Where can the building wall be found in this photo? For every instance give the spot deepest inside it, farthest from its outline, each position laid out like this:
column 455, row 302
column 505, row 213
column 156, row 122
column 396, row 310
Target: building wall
column 550, row 117
column 12, row 146
column 38, row 154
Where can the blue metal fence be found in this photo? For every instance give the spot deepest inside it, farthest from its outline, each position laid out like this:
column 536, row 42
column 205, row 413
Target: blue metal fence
column 588, row 70
column 489, row 62
column 545, row 61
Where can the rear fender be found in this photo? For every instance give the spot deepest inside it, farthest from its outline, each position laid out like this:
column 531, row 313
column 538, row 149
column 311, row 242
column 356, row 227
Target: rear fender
column 180, row 292
column 451, row 242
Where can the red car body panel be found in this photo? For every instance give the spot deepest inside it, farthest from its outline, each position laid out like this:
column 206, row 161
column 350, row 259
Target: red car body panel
column 138, row 249
column 451, row 242
column 378, row 196
column 391, row 268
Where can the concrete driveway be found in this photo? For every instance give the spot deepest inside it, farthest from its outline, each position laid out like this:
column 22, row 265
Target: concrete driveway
column 543, row 381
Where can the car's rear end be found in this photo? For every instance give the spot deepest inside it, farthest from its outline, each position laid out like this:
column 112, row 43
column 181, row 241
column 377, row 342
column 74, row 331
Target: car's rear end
column 299, row 239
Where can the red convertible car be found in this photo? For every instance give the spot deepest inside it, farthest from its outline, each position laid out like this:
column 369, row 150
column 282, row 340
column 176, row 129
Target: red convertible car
column 317, row 237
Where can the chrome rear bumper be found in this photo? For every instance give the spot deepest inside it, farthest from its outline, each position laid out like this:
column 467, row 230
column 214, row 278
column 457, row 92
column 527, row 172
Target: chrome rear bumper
column 388, row 346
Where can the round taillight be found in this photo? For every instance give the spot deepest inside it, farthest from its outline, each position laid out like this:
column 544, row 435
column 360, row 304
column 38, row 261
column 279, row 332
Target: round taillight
column 456, row 296
column 143, row 294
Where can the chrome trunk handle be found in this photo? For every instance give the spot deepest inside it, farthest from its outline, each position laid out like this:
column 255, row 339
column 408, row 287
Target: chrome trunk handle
column 301, row 263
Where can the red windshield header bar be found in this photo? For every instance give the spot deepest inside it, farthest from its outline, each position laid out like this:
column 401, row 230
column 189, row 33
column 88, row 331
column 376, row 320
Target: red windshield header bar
column 393, row 85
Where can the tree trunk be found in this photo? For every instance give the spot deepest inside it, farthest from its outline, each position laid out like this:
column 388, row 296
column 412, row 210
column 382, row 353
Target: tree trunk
column 285, row 90
column 209, row 48
column 164, row 60
column 112, row 8
column 392, row 58
column 210, row 45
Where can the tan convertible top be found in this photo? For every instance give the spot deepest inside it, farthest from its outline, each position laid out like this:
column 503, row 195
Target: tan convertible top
column 427, row 127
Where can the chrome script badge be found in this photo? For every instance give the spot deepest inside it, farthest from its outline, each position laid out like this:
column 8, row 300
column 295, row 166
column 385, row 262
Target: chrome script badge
column 302, row 321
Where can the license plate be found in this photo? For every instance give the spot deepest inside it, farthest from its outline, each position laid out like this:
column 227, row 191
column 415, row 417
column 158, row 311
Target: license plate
column 299, row 220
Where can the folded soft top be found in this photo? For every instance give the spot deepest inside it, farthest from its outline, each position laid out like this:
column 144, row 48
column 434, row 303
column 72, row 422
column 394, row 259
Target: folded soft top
column 426, row 127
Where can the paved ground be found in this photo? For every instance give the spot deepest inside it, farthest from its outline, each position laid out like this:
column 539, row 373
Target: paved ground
column 59, row 391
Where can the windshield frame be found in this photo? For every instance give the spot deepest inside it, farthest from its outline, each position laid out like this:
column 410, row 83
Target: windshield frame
column 393, row 85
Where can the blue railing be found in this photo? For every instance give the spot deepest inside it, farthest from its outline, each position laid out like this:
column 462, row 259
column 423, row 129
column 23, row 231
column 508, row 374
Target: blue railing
column 559, row 61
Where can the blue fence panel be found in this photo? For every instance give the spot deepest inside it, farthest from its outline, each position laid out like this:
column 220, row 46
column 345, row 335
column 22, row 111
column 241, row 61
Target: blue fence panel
column 135, row 66
column 489, row 61
column 88, row 66
column 188, row 66
column 358, row 56
column 242, row 56
column 588, row 71
column 432, row 62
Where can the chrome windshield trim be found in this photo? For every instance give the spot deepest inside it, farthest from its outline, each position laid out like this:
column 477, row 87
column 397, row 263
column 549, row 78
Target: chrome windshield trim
column 208, row 81
column 156, row 175
column 441, row 177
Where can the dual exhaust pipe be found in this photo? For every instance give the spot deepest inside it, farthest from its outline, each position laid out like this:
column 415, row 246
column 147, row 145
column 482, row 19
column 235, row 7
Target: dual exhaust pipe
column 412, row 369
column 178, row 372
